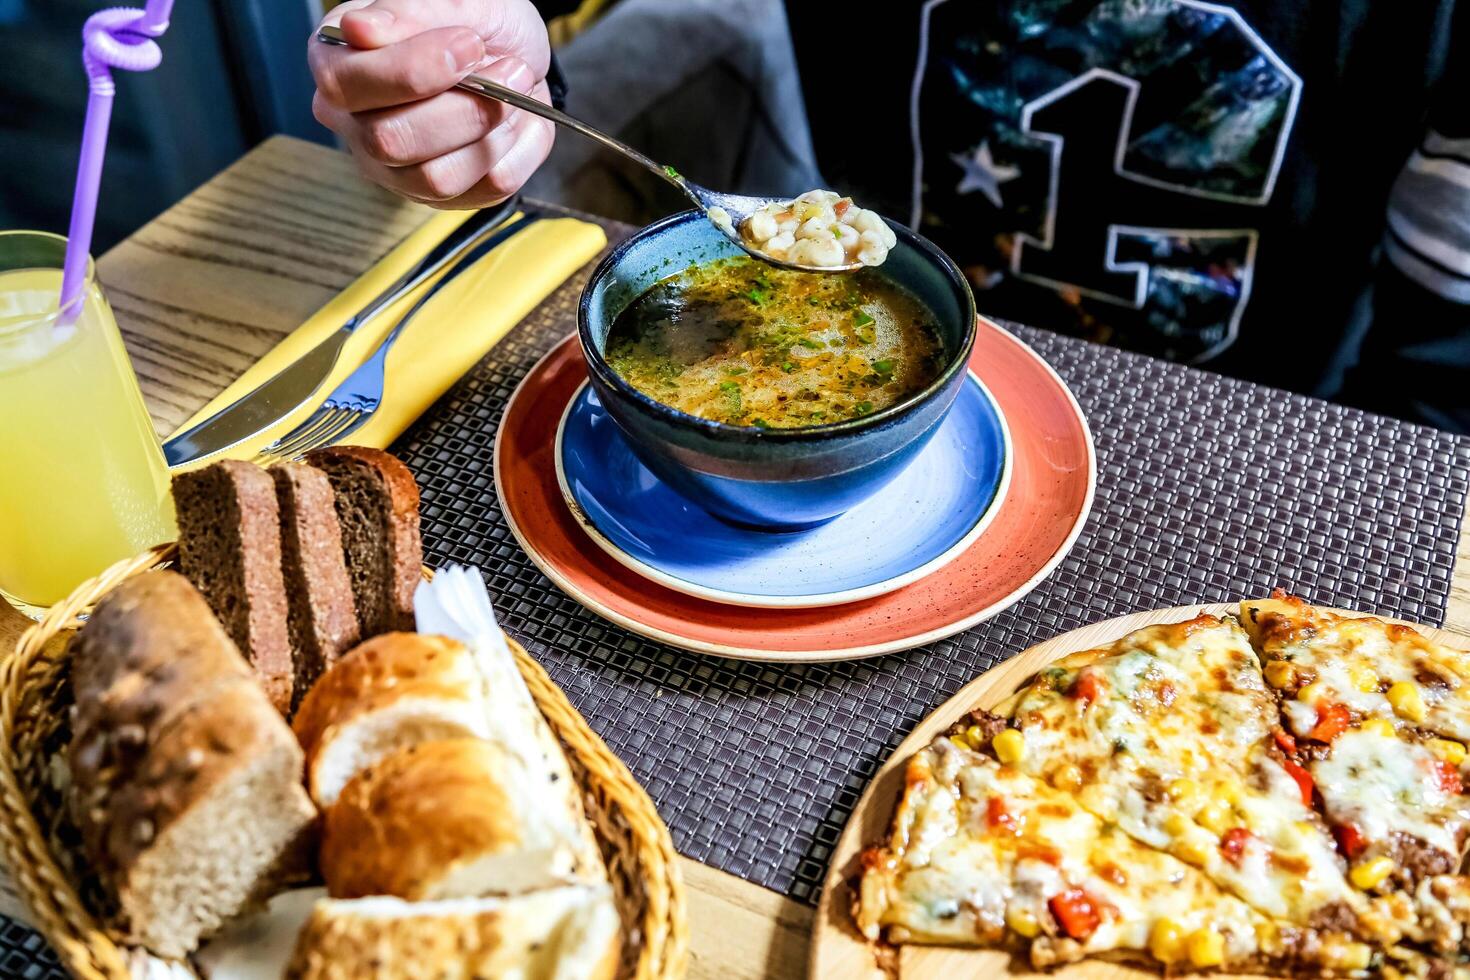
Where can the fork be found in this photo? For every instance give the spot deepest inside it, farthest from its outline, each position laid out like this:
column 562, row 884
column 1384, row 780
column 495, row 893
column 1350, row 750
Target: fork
column 353, row 402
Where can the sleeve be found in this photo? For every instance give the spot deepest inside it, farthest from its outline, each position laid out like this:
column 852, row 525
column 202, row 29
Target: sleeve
column 1415, row 359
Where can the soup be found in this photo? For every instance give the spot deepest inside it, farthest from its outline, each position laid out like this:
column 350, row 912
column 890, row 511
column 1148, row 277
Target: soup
column 741, row 342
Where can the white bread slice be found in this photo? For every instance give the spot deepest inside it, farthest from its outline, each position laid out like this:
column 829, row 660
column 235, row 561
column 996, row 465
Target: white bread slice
column 569, row 933
column 394, row 691
column 442, row 819
column 456, row 604
column 404, row 689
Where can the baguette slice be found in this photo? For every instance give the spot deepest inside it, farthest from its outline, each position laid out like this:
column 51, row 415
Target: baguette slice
column 378, row 509
column 150, row 650
column 185, row 782
column 446, row 819
column 569, row 933
column 394, row 691
column 230, row 548
column 457, row 604
column 212, row 821
column 323, row 617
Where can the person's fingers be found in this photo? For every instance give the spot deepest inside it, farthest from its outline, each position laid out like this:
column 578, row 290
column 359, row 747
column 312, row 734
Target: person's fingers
column 507, row 26
column 534, row 138
column 488, row 170
column 423, row 65
column 420, row 131
column 445, row 177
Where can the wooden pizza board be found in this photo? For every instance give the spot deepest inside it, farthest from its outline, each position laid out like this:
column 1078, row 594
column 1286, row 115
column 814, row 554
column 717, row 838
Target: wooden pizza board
column 839, row 951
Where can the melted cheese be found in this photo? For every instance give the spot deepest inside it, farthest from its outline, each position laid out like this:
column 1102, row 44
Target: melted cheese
column 1187, row 702
column 1383, row 784
column 1334, row 651
column 951, row 875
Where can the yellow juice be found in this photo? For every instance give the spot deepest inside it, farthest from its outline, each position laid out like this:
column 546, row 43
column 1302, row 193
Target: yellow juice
column 83, row 482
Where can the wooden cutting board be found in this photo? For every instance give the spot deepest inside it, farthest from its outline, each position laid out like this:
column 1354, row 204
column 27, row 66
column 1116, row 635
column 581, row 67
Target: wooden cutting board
column 838, row 950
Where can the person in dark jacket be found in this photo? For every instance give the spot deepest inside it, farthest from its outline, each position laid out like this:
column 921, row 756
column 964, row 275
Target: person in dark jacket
column 1275, row 190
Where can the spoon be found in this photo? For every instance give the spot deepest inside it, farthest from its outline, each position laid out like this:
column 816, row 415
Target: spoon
column 737, row 206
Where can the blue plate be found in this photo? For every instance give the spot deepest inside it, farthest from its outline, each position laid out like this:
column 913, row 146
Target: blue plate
column 927, row 516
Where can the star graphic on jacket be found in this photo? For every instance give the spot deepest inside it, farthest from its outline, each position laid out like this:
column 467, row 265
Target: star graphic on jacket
column 983, row 174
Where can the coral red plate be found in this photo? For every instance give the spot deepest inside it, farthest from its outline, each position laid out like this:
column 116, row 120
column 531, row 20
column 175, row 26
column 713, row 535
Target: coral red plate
column 1052, row 482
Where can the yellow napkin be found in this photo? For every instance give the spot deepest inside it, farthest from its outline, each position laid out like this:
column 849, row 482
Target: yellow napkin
column 444, row 340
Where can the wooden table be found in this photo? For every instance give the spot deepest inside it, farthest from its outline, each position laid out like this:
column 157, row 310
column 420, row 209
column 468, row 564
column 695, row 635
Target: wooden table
column 218, row 279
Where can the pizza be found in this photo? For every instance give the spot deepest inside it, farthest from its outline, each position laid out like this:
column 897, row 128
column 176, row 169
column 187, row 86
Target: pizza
column 983, row 853
column 1375, row 712
column 1259, row 794
column 1168, row 733
column 1358, row 665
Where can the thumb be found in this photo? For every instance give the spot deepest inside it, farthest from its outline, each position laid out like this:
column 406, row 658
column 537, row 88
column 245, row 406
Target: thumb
column 375, row 25
column 507, row 28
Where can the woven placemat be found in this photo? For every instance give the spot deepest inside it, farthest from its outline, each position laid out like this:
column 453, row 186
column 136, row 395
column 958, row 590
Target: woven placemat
column 25, row 955
column 1209, row 489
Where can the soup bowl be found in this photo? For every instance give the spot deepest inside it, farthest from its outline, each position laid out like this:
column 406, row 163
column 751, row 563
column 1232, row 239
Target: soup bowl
column 776, row 479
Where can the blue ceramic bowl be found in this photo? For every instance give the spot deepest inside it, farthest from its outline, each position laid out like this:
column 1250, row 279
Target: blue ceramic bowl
column 780, row 479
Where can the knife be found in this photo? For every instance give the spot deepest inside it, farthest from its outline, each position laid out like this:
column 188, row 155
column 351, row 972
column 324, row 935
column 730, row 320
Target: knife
column 294, row 384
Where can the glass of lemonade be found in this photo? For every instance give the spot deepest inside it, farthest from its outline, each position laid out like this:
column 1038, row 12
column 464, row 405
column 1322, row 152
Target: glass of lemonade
column 83, row 483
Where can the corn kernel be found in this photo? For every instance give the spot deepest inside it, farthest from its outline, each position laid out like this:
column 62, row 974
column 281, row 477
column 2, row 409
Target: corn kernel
column 1214, row 816
column 1268, row 937
column 1009, row 746
column 1022, row 922
column 1352, row 956
column 959, row 743
column 1280, row 673
column 1228, row 793
column 1378, row 726
column 1190, row 851
column 1068, row 778
column 1364, row 679
column 1446, row 750
column 1176, row 825
column 1166, row 941
column 1370, row 874
column 1206, row 948
column 1185, row 792
column 975, row 736
column 1406, row 701
column 1311, row 693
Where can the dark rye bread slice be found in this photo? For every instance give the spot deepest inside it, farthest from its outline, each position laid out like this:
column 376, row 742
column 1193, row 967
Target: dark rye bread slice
column 230, row 548
column 323, row 616
column 378, row 508
column 185, row 781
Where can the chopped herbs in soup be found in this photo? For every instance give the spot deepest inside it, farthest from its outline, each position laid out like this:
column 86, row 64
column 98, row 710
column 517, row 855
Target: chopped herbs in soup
column 741, row 342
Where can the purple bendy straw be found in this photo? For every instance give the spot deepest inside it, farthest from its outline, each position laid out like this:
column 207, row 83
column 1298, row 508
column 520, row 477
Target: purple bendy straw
column 121, row 37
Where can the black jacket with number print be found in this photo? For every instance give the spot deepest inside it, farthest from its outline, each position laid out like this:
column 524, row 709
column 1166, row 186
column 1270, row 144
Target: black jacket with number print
column 1206, row 182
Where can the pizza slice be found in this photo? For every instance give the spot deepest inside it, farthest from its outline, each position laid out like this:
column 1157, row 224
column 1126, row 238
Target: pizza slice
column 982, row 853
column 1169, row 734
column 1390, row 785
column 1359, row 667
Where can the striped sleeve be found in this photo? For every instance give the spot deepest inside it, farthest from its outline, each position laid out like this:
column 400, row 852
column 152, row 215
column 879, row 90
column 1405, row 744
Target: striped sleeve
column 1428, row 237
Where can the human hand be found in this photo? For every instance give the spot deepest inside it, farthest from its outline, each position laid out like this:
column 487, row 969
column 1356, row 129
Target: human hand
column 391, row 95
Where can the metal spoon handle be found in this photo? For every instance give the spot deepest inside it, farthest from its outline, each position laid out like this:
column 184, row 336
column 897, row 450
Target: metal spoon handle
column 480, row 85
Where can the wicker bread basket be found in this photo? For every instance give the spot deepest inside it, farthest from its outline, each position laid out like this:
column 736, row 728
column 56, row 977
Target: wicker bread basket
column 34, row 709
